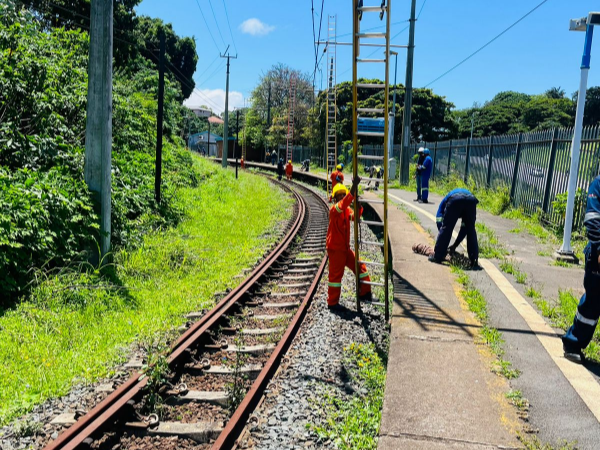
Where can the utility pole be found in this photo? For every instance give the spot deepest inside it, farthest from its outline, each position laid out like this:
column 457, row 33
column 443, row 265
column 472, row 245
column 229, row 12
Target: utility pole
column 237, row 137
column 98, row 130
column 404, row 155
column 159, row 120
column 268, row 115
column 226, row 126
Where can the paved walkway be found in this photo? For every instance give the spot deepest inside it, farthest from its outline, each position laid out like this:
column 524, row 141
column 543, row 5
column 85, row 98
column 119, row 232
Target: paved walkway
column 564, row 397
column 439, row 391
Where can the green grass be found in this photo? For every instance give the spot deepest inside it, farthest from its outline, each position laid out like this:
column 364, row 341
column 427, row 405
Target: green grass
column 76, row 326
column 353, row 423
column 489, row 335
column 511, row 267
column 532, row 442
column 489, row 246
column 517, row 399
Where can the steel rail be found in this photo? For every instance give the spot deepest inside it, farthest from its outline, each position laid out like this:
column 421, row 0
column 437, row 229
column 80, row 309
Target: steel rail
column 110, row 407
column 236, row 424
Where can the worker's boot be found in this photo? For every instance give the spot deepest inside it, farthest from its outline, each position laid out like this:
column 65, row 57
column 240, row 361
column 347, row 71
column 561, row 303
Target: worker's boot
column 574, row 354
column 368, row 297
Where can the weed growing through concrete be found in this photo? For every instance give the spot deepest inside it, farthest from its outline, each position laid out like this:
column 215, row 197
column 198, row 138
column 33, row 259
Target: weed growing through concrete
column 489, row 246
column 511, row 267
column 517, row 399
column 533, row 443
column 489, row 335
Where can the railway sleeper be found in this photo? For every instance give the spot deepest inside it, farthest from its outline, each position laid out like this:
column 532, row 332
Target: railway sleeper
column 261, row 331
column 258, row 349
column 212, row 397
column 201, row 432
column 285, row 305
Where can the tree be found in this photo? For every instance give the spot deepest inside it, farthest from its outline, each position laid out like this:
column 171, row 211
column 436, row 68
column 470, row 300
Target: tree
column 555, row 93
column 592, row 106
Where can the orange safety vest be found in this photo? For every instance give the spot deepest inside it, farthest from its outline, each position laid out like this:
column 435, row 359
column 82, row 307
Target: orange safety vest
column 334, row 175
column 338, row 232
column 289, row 169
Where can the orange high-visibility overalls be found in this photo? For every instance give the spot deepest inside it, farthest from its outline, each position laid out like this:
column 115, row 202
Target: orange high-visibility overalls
column 289, row 169
column 339, row 251
column 334, row 175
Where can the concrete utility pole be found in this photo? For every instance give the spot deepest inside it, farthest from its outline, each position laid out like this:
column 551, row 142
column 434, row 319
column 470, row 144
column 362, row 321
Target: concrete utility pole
column 404, row 155
column 226, row 125
column 268, row 116
column 237, row 136
column 159, row 120
column 98, row 130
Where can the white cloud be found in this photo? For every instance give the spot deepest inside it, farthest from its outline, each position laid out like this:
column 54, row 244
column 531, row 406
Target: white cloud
column 214, row 99
column 255, row 27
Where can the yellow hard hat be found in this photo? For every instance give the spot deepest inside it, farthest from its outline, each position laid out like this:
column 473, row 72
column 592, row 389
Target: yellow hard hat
column 339, row 167
column 290, row 161
column 339, row 188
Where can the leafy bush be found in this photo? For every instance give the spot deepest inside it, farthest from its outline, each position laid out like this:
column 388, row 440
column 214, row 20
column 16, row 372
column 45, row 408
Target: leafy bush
column 48, row 217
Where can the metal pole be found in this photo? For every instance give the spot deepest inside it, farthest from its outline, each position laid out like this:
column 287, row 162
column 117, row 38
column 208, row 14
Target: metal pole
column 488, row 179
column 268, row 116
column 208, row 151
column 355, row 53
column 237, row 136
column 387, row 139
column 550, row 171
column 393, row 126
column 404, row 155
column 468, row 158
column 98, row 130
column 513, row 187
column 226, row 125
column 159, row 120
column 565, row 250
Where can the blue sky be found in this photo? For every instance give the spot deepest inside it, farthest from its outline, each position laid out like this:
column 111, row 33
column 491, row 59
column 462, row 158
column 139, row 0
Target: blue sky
column 538, row 53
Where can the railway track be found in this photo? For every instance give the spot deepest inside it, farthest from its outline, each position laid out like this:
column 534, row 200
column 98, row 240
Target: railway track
column 217, row 370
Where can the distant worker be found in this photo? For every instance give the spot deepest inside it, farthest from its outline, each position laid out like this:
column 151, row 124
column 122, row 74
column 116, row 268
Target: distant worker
column 273, row 158
column 580, row 334
column 419, row 175
column 306, row 165
column 338, row 245
column 425, row 175
column 267, row 157
column 242, row 163
column 337, row 176
column 458, row 204
column 280, row 169
column 289, row 170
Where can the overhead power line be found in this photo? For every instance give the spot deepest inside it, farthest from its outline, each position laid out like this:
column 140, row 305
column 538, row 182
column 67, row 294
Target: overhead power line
column 229, row 25
column 206, row 23
column 216, row 22
column 485, row 45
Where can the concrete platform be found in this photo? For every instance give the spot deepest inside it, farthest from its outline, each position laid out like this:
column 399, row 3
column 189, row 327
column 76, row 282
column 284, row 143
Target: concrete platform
column 439, row 391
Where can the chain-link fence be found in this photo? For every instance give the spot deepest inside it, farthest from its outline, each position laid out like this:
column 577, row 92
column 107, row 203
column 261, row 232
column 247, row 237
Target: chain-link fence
column 533, row 167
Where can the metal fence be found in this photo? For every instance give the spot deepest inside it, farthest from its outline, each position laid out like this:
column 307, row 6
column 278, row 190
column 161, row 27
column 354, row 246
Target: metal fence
column 533, row 167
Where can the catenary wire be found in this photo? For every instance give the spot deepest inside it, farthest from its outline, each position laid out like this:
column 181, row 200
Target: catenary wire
column 206, row 23
column 229, row 25
column 216, row 22
column 485, row 45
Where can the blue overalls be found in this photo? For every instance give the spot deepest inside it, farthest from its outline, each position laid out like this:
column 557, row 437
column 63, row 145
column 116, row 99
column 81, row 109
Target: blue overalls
column 419, row 175
column 580, row 334
column 458, row 204
column 425, row 175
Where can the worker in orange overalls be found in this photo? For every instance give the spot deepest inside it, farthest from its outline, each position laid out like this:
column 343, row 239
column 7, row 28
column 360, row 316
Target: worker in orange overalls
column 337, row 176
column 289, row 169
column 242, row 163
column 338, row 245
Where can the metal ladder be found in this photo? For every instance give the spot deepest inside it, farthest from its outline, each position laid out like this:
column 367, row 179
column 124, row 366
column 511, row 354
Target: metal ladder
column 331, row 119
column 291, row 107
column 384, row 11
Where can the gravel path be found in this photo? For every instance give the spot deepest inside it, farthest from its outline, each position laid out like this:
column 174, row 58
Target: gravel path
column 313, row 366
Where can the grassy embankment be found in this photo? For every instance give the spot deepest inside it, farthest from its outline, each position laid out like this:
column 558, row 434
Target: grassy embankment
column 76, row 325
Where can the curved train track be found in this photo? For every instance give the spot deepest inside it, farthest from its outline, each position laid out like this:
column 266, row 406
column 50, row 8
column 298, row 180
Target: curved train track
column 220, row 366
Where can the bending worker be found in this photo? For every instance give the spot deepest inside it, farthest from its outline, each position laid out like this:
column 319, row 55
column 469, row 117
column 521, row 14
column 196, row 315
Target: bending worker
column 338, row 245
column 425, row 176
column 419, row 174
column 458, row 204
column 289, row 170
column 337, row 176
column 585, row 321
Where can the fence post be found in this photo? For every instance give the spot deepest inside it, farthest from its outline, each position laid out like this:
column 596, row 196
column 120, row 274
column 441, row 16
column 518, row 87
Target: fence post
column 490, row 159
column 550, row 171
column 449, row 158
column 513, row 185
column 434, row 160
column 468, row 157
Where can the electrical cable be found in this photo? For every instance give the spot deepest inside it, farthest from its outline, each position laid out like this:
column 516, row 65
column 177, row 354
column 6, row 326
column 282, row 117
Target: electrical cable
column 485, row 45
column 216, row 22
column 206, row 23
column 229, row 25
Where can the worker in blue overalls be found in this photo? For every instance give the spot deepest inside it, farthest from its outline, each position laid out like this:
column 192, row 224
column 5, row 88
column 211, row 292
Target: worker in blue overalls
column 458, row 204
column 580, row 334
column 427, row 168
column 419, row 176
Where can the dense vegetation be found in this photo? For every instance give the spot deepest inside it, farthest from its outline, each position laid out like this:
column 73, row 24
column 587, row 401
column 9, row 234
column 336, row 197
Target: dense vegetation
column 47, row 216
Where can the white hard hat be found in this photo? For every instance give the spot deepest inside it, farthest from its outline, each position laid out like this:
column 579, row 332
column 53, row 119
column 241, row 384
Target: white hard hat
column 421, row 150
